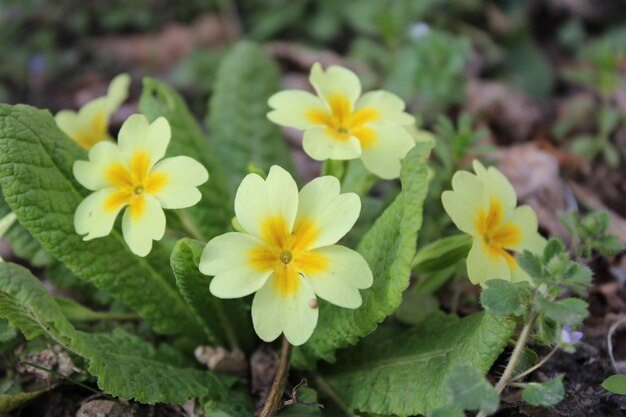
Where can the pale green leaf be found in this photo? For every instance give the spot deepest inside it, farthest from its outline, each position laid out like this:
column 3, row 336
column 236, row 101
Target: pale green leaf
column 504, row 298
column 388, row 247
column 225, row 322
column 616, row 384
column 546, row 394
column 404, row 372
column 470, row 390
column 568, row 312
column 239, row 130
column 36, row 161
column 211, row 216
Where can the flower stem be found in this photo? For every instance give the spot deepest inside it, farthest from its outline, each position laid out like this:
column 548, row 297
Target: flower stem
column 515, row 356
column 274, row 399
column 189, row 226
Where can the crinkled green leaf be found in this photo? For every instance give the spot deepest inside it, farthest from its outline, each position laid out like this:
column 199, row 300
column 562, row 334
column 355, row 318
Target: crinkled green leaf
column 24, row 245
column 124, row 364
column 127, row 366
column 388, row 247
column 225, row 322
column 36, row 161
column 568, row 312
column 616, row 384
column 504, row 298
column 546, row 394
column 211, row 216
column 9, row 402
column 239, row 130
column 448, row 411
column 469, row 390
column 405, row 372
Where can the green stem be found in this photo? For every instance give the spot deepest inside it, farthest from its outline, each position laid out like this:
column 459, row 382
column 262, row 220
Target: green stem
column 334, row 168
column 189, row 225
column 324, row 387
column 505, row 379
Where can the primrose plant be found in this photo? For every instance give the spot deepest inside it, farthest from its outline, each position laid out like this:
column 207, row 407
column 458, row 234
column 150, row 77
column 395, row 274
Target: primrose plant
column 193, row 258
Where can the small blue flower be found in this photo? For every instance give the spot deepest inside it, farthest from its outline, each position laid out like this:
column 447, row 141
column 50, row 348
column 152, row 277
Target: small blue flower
column 570, row 337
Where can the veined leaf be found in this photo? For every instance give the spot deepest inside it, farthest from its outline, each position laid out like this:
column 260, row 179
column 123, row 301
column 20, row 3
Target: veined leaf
column 388, row 247
column 212, row 215
column 36, row 161
column 124, row 364
column 24, row 245
column 9, row 402
column 225, row 322
column 406, row 372
column 238, row 127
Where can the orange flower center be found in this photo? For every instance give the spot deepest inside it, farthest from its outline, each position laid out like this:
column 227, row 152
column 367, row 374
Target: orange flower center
column 287, row 253
column 132, row 182
column 342, row 122
column 498, row 235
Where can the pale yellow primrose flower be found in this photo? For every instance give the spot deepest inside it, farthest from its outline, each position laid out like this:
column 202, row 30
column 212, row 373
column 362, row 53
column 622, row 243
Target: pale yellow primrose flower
column 341, row 124
column 287, row 253
column 484, row 206
column 129, row 174
column 91, row 124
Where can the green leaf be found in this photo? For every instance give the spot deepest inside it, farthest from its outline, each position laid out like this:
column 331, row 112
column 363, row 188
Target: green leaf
column 546, row 394
column 388, row 248
column 127, row 366
column 553, row 248
column 442, row 253
column 504, row 298
column 310, row 409
column 568, row 312
column 531, row 264
column 239, row 129
column 416, row 306
column 24, row 245
column 9, row 402
column 470, row 390
column 233, row 403
column 448, row 411
column 124, row 364
column 78, row 312
column 616, row 384
column 405, row 372
column 225, row 322
column 211, row 216
column 36, row 161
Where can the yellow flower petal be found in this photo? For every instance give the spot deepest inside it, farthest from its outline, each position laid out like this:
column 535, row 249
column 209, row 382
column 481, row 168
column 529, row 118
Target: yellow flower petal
column 258, row 200
column 330, row 213
column 143, row 225
column 465, row 202
column 92, row 174
column 293, row 108
column 137, row 135
column 295, row 315
column 92, row 218
column 180, row 175
column 227, row 258
column 497, row 186
column 525, row 218
column 384, row 153
column 483, row 265
column 345, row 273
column 117, row 92
column 335, row 82
column 320, row 145
column 389, row 107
